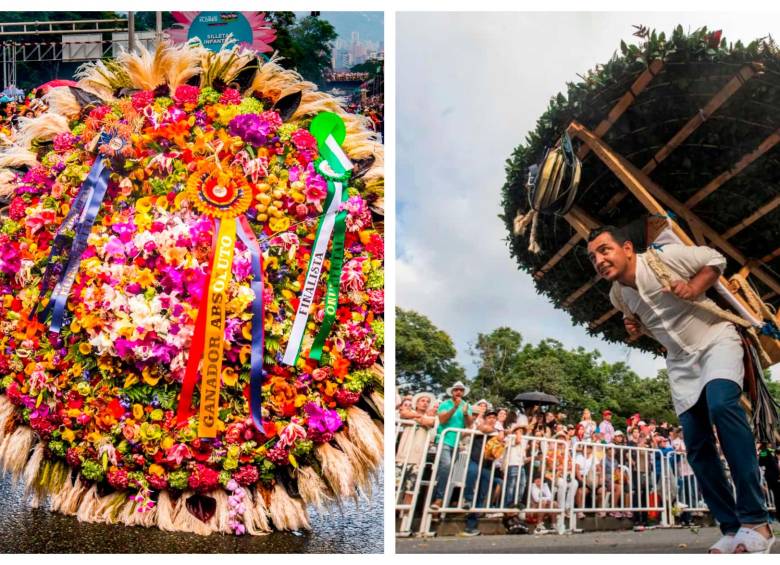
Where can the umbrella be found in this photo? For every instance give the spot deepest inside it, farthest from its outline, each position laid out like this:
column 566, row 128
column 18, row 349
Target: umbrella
column 536, row 397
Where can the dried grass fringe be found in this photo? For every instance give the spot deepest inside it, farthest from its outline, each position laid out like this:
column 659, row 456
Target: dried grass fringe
column 16, row 450
column 287, row 513
column 17, row 157
column 43, row 128
column 337, row 470
column 61, row 100
column 165, row 512
column 258, row 512
column 313, row 489
column 185, row 521
column 70, row 502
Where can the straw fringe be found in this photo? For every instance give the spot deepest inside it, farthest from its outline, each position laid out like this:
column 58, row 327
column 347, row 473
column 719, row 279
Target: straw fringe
column 165, row 512
column 313, row 489
column 17, row 450
column 337, row 470
column 287, row 513
column 258, row 513
column 17, row 157
column 7, row 184
column 185, row 521
column 251, row 521
column 61, row 100
column 220, row 521
column 87, row 511
column 364, row 433
column 145, row 68
column 362, row 466
column 180, row 63
column 70, row 503
column 42, row 128
column 32, row 470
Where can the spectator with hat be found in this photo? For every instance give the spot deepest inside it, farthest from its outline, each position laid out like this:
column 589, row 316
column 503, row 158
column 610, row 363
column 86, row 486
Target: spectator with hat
column 517, row 450
column 484, row 452
column 606, row 429
column 453, row 413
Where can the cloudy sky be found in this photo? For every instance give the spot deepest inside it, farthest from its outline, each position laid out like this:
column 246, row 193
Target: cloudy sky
column 469, row 88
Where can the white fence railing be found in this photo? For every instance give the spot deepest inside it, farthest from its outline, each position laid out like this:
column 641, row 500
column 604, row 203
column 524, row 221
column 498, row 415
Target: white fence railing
column 467, row 474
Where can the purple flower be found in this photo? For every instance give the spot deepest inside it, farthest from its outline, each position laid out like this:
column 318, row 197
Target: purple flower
column 322, row 420
column 254, row 129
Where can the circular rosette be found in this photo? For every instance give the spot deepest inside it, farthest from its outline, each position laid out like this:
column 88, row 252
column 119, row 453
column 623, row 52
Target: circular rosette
column 219, row 193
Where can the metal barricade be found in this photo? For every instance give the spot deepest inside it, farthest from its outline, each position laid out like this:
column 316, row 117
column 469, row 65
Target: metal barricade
column 412, row 443
column 527, row 476
column 619, row 479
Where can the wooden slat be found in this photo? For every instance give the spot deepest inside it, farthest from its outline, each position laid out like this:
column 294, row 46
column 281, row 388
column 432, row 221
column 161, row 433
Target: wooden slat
column 771, row 257
column 596, row 323
column 642, row 81
column 574, row 296
column 558, row 256
column 738, row 167
column 744, row 74
column 647, row 191
column 625, row 102
column 760, row 213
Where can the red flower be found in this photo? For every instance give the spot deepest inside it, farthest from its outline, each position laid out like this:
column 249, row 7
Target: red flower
column 142, row 99
column 186, row 94
column 16, row 208
column 203, row 479
column 118, row 479
column 115, row 407
column 247, row 475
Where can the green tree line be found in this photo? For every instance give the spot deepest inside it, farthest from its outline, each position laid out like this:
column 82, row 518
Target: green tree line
column 506, row 366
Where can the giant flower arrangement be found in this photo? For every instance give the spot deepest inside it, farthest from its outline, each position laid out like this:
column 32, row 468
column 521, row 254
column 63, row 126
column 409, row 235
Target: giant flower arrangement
column 95, row 411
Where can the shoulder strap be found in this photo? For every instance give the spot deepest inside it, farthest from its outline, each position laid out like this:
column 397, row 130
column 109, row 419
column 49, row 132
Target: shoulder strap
column 665, row 276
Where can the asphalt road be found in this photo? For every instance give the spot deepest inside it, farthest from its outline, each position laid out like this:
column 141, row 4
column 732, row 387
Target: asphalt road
column 687, row 540
column 357, row 528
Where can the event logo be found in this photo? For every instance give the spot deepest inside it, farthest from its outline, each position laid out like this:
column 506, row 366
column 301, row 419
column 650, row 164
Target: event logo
column 251, row 29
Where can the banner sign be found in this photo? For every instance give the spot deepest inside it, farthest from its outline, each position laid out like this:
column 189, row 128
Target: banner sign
column 250, row 29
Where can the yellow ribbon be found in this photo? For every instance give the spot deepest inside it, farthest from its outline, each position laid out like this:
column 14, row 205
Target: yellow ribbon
column 211, row 369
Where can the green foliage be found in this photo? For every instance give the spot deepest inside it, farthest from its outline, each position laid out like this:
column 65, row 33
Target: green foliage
column 424, row 354
column 305, row 44
column 579, row 378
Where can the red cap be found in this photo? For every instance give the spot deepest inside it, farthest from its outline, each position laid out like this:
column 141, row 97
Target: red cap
column 605, row 412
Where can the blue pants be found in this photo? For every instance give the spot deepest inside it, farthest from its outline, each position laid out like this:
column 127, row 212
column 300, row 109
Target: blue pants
column 719, row 405
column 511, row 481
column 445, row 463
column 483, row 492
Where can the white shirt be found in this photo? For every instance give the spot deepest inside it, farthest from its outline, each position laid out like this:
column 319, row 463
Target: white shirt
column 540, row 493
column 680, row 326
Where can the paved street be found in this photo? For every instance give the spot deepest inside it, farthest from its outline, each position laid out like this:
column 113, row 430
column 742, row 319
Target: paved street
column 651, row 541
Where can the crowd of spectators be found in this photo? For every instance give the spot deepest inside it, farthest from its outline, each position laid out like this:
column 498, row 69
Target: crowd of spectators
column 598, row 475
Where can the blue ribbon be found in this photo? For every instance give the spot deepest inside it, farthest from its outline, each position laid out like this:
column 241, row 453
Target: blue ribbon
column 96, row 187
column 771, row 330
column 60, row 239
column 258, row 345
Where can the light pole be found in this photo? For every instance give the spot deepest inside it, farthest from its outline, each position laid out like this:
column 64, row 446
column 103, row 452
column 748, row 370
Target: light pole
column 130, row 31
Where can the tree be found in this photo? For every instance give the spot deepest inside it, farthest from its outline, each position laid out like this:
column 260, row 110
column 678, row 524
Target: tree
column 424, row 355
column 372, row 67
column 498, row 353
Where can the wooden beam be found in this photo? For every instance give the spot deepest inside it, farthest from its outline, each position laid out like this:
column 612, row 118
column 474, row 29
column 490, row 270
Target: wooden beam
column 574, row 296
column 644, row 79
column 625, row 102
column 558, row 256
column 760, row 213
column 744, row 74
column 599, row 321
column 738, row 167
column 647, row 191
column 771, row 257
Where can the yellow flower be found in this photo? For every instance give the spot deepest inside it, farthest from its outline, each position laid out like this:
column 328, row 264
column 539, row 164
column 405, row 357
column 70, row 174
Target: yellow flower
column 138, row 411
column 76, row 370
column 148, row 378
column 279, row 224
column 130, row 381
column 84, row 348
column 68, row 435
column 156, row 469
column 74, row 326
column 145, row 278
column 143, row 205
column 73, row 413
column 162, row 202
column 167, row 442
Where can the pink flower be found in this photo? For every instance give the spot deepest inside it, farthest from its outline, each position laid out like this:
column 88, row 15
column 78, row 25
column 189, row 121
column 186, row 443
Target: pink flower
column 177, row 453
column 230, row 96
column 186, row 94
column 352, row 275
column 142, row 99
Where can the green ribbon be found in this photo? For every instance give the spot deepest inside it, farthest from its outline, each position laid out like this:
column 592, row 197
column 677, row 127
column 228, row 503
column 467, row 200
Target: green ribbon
column 334, row 279
column 329, row 131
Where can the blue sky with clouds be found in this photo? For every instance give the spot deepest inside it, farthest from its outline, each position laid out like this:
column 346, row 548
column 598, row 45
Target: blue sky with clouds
column 469, row 88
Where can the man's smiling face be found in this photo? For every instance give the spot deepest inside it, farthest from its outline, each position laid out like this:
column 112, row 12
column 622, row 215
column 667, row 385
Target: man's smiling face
column 609, row 258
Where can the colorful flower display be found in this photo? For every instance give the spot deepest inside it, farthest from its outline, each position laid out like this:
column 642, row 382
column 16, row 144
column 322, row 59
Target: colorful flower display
column 101, row 396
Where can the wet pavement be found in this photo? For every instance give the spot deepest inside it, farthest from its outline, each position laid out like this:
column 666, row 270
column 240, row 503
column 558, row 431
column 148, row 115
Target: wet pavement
column 676, row 540
column 358, row 529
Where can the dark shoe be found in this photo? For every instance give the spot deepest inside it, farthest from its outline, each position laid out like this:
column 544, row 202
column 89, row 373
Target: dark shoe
column 470, row 533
